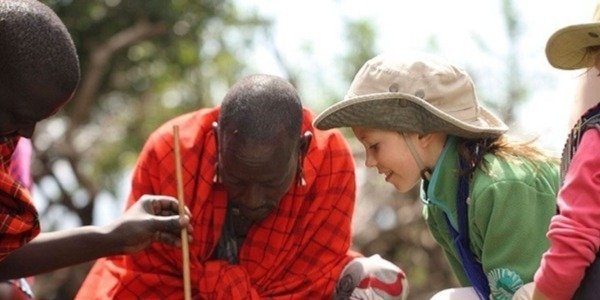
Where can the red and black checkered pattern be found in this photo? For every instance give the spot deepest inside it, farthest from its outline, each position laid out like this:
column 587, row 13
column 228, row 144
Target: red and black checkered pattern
column 297, row 252
column 18, row 217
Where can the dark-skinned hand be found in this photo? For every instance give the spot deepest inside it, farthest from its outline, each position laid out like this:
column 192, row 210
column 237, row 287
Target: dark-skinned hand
column 153, row 218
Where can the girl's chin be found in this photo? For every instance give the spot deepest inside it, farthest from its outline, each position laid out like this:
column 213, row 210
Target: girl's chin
column 403, row 187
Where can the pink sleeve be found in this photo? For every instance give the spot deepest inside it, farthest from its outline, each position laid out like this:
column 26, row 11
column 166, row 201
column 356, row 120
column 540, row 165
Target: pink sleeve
column 20, row 163
column 575, row 233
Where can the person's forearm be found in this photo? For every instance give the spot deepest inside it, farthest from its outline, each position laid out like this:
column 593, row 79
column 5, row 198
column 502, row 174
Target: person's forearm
column 54, row 250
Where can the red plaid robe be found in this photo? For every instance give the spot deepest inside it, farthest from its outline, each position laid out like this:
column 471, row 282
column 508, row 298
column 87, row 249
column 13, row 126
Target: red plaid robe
column 297, row 252
column 18, row 217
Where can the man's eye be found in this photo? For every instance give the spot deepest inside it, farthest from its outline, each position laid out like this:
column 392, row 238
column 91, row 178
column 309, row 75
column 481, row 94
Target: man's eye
column 272, row 184
column 373, row 147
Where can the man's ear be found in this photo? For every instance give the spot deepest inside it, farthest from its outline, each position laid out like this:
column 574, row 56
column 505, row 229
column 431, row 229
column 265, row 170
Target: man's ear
column 305, row 140
column 217, row 176
column 303, row 146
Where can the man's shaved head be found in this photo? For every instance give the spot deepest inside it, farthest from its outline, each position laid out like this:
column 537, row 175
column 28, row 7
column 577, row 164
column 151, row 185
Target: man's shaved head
column 259, row 106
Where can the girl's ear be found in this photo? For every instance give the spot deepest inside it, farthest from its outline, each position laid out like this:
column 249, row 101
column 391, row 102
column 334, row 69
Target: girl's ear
column 427, row 139
column 424, row 139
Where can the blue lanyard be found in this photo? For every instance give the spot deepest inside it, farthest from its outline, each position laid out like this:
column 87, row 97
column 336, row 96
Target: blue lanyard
column 470, row 264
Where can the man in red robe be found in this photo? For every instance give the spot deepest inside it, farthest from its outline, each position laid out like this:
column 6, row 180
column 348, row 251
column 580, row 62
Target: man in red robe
column 271, row 201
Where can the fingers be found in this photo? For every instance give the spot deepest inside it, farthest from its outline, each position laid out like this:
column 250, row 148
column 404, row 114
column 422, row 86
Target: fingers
column 165, row 220
column 162, row 205
column 173, row 225
column 185, row 223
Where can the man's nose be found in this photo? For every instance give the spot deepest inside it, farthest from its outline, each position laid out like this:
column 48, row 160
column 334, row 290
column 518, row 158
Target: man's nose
column 255, row 196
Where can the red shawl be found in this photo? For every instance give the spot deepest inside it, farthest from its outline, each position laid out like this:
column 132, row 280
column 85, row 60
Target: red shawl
column 18, row 217
column 297, row 252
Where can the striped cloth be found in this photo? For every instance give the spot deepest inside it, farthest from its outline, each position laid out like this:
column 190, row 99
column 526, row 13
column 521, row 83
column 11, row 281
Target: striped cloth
column 18, row 217
column 297, row 252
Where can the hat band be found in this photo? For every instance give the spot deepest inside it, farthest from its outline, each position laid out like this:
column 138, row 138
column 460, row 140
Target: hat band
column 425, row 171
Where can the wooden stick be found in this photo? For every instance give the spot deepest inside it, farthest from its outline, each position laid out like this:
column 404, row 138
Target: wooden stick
column 187, row 287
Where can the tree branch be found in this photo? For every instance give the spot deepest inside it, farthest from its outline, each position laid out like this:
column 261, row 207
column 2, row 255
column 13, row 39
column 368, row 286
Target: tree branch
column 99, row 60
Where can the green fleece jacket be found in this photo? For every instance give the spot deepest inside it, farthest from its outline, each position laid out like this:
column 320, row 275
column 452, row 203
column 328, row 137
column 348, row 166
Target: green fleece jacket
column 509, row 209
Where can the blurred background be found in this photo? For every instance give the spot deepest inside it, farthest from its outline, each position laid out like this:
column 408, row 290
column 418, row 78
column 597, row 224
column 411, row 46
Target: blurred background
column 145, row 61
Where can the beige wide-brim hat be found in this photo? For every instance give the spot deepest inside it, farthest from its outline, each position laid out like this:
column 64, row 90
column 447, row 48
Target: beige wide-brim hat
column 412, row 93
column 568, row 47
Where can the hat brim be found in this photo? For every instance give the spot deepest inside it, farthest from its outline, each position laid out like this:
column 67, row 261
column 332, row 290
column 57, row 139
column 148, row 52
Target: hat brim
column 405, row 113
column 567, row 48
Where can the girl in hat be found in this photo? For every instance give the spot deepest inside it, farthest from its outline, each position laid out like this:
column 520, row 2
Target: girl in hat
column 575, row 232
column 488, row 202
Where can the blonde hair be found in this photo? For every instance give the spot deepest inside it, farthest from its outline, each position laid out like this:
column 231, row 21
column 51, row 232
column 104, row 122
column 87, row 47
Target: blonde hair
column 473, row 150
